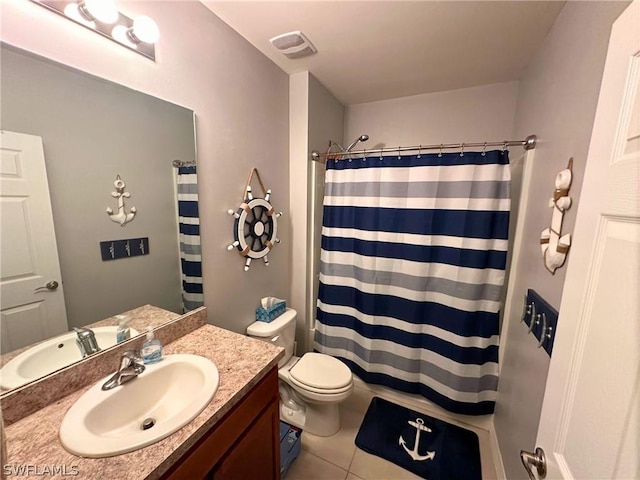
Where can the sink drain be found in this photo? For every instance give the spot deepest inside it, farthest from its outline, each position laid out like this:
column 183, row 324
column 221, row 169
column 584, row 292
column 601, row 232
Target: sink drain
column 148, row 423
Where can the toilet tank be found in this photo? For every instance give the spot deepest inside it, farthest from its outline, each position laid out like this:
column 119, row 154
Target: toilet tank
column 281, row 332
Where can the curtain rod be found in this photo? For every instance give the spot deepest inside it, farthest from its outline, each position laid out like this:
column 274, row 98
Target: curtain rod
column 528, row 143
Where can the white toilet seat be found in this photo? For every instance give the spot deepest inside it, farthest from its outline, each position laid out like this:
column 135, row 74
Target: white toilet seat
column 319, row 391
column 318, row 369
column 321, row 372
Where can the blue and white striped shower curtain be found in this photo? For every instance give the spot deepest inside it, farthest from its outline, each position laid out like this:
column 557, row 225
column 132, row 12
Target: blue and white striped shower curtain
column 411, row 273
column 189, row 228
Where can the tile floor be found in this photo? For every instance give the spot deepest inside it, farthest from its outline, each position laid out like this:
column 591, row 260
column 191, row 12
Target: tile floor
column 338, row 458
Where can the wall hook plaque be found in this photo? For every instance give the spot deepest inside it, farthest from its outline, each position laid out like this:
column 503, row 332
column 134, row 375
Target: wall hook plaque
column 256, row 224
column 121, row 217
column 554, row 245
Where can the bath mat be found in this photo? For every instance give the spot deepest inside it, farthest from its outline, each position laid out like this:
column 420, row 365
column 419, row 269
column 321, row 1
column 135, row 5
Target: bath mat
column 426, row 446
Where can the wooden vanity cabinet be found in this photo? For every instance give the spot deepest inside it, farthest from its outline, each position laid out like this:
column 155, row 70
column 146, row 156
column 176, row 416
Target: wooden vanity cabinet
column 243, row 445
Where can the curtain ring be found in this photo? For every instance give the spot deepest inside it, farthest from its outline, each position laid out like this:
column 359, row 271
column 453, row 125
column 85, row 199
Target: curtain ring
column 419, row 151
column 364, row 154
column 380, row 154
column 440, row 154
column 399, row 157
column 504, row 146
column 484, row 149
column 462, row 150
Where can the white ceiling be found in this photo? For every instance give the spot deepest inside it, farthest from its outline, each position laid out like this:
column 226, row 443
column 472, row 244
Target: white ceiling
column 375, row 50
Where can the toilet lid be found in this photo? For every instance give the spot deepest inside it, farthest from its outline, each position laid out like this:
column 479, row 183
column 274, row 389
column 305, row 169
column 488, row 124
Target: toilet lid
column 321, row 371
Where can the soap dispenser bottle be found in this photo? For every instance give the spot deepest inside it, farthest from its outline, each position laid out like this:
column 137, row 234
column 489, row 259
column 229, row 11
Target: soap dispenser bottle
column 124, row 332
column 151, row 348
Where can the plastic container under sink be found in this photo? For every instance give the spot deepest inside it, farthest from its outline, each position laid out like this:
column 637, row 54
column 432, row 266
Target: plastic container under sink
column 289, row 445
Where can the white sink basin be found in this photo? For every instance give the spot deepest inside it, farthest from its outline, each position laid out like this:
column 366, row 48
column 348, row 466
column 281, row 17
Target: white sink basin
column 171, row 393
column 51, row 355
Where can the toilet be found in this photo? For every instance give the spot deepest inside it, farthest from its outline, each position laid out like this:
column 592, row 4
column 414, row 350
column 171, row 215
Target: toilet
column 312, row 386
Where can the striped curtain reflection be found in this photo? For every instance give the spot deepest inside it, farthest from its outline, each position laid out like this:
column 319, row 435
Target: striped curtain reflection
column 411, row 273
column 189, row 228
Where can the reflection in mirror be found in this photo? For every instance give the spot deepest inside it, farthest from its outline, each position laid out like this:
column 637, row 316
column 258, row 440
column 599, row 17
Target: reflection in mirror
column 74, row 134
column 32, row 362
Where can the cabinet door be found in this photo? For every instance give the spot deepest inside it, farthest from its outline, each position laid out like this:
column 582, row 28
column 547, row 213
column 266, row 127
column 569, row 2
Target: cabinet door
column 256, row 454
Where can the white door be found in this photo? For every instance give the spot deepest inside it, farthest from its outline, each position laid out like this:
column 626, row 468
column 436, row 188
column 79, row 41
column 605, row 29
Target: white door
column 29, row 255
column 590, row 424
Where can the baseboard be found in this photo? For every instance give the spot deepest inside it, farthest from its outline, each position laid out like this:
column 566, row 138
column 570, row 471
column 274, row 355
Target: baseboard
column 495, row 452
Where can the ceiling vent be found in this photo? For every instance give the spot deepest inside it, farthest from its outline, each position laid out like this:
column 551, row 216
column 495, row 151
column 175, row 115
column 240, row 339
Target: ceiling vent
column 293, row 45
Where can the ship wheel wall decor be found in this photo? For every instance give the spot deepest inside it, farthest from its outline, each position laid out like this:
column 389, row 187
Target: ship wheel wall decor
column 256, row 224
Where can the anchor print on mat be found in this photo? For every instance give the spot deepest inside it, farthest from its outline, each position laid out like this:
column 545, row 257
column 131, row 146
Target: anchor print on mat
column 420, row 427
column 121, row 217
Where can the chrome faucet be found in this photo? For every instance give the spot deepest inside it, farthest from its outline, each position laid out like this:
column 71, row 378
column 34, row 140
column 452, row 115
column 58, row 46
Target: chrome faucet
column 130, row 367
column 86, row 341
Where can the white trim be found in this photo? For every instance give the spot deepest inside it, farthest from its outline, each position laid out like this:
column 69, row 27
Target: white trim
column 496, row 454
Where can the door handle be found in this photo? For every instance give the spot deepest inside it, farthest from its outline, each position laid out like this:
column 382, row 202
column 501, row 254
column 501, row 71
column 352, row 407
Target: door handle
column 537, row 460
column 51, row 286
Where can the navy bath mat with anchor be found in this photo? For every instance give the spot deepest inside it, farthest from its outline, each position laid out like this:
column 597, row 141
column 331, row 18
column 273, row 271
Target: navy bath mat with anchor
column 426, row 446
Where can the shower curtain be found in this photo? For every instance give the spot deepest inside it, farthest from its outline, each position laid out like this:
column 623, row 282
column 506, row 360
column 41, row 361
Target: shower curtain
column 411, row 273
column 189, row 229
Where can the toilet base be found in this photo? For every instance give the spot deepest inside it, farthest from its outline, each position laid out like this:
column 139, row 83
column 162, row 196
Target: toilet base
column 317, row 419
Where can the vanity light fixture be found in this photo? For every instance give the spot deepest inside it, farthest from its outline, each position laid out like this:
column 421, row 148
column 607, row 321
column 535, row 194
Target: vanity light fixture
column 102, row 16
column 104, row 11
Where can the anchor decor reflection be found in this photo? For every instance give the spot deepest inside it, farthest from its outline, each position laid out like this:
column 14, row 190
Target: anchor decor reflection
column 121, row 217
column 413, row 453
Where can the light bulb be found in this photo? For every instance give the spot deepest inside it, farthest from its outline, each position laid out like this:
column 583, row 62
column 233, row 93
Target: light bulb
column 119, row 33
column 145, row 30
column 104, row 11
column 71, row 11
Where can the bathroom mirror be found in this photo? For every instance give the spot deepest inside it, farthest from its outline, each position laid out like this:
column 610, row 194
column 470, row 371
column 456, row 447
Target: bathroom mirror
column 92, row 131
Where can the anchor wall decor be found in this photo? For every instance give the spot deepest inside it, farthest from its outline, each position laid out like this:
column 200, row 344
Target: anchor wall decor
column 413, row 453
column 256, row 224
column 121, row 217
column 553, row 244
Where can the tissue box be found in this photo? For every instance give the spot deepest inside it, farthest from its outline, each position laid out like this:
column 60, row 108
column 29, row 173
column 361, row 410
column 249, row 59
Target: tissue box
column 289, row 445
column 271, row 313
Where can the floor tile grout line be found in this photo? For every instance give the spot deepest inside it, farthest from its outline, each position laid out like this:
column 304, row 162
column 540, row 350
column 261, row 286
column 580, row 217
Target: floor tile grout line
column 328, row 461
column 355, row 450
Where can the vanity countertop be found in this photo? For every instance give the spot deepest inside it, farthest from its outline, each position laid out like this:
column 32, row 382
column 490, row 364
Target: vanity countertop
column 242, row 362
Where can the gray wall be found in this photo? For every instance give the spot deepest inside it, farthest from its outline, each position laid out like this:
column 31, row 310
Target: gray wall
column 93, row 130
column 556, row 101
column 466, row 115
column 326, row 122
column 240, row 99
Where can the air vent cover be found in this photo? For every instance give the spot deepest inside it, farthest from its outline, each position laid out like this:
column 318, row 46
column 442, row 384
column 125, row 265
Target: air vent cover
column 293, row 45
